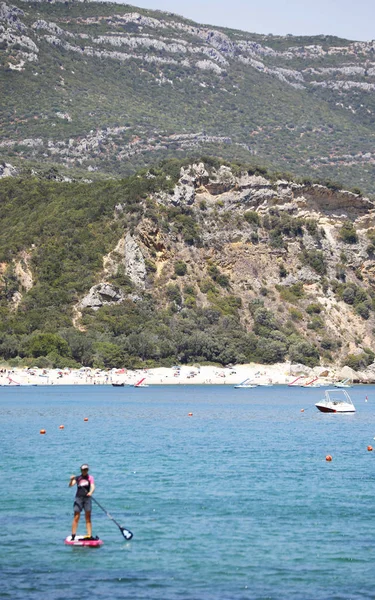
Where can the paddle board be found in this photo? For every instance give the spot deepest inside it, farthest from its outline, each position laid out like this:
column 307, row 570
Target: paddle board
column 81, row 540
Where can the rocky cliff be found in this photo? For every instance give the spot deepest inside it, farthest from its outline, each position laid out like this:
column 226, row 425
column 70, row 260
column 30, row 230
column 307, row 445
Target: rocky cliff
column 276, row 268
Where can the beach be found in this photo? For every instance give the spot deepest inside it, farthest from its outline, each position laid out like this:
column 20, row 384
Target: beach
column 253, row 373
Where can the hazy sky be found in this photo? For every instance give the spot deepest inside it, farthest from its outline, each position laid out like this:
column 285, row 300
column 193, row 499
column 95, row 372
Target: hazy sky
column 350, row 19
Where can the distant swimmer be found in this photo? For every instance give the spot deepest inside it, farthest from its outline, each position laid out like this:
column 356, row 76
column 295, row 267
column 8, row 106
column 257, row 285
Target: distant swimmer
column 85, row 489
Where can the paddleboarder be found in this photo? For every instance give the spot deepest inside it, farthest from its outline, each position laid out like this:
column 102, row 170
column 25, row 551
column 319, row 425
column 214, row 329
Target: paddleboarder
column 82, row 501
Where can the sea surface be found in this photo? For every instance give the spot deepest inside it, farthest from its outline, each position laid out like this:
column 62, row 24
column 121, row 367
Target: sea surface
column 234, row 502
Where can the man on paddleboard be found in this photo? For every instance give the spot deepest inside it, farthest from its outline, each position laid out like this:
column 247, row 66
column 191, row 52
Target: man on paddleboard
column 85, row 489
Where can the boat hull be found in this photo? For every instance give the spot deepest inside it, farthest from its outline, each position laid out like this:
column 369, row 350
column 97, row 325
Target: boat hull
column 335, row 409
column 242, row 387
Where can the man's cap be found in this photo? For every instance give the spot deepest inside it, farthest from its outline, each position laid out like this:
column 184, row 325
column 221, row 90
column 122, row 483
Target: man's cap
column 83, row 467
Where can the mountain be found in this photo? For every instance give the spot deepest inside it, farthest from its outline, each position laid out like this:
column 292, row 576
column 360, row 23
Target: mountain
column 96, row 90
column 188, row 262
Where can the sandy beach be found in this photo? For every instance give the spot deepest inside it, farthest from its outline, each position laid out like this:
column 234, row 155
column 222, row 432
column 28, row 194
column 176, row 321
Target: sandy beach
column 280, row 373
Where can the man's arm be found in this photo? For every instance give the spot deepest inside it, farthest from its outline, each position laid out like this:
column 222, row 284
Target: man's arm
column 92, row 487
column 72, row 480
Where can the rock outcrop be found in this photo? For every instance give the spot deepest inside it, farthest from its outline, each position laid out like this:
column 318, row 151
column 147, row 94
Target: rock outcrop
column 100, row 295
column 127, row 254
column 7, row 170
column 135, row 266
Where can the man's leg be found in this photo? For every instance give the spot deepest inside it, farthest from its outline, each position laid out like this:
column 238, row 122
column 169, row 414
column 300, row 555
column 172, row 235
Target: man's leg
column 75, row 523
column 88, row 522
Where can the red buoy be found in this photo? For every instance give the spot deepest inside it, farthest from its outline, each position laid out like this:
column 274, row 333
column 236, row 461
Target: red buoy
column 61, row 427
column 42, row 431
column 328, row 458
column 190, row 414
column 85, row 419
column 369, row 448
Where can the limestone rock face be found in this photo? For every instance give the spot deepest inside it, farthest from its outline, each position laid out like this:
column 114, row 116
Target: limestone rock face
column 348, row 373
column 304, row 275
column 127, row 254
column 23, row 271
column 101, row 294
column 221, row 181
column 191, row 178
column 183, row 194
column 7, row 170
column 135, row 266
column 368, row 375
column 11, row 14
column 299, row 369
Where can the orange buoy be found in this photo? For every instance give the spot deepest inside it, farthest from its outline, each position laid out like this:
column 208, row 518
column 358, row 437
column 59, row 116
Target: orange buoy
column 85, row 419
column 328, row 458
column 302, row 410
column 61, row 427
column 190, row 414
column 42, row 431
column 369, row 448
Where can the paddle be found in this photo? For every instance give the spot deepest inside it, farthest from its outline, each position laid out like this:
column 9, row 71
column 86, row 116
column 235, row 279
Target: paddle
column 125, row 532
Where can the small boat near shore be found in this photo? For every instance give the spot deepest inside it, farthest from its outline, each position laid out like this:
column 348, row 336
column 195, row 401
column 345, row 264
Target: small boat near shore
column 313, row 383
column 118, row 384
column 246, row 383
column 141, row 384
column 343, row 384
column 336, row 401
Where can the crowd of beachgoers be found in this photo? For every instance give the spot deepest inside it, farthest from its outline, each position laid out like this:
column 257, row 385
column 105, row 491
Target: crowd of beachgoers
column 253, row 374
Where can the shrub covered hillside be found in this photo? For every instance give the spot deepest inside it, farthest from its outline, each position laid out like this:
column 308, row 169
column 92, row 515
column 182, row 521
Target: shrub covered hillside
column 104, row 88
column 189, row 263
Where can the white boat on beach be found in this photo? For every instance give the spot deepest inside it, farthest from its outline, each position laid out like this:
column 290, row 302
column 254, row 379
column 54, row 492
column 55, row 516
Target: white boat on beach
column 336, row 401
column 246, row 383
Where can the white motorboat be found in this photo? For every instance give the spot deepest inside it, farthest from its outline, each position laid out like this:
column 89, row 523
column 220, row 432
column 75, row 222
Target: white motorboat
column 343, row 384
column 336, row 401
column 245, row 384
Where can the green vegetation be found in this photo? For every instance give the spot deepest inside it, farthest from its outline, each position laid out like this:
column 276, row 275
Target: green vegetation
column 359, row 361
column 314, row 308
column 355, row 296
column 348, row 234
column 305, row 353
column 252, row 217
column 220, row 278
column 180, row 268
column 292, row 293
column 315, row 260
column 281, row 226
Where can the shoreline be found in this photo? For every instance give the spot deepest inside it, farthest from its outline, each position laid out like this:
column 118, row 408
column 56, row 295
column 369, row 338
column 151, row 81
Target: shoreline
column 254, row 374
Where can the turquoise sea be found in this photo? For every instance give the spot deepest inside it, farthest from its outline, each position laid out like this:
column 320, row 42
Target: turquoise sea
column 235, row 502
